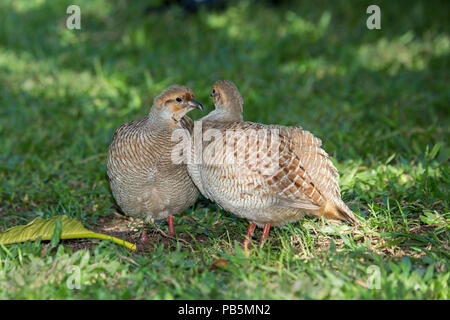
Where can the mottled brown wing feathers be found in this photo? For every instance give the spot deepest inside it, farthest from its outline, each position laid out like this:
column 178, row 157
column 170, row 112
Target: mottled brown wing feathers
column 304, row 170
column 293, row 181
column 133, row 149
column 315, row 160
column 321, row 185
column 288, row 164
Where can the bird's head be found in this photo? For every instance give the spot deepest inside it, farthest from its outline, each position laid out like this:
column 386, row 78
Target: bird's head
column 174, row 102
column 227, row 98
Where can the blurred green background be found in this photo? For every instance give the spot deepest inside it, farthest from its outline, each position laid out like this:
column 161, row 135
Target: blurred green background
column 379, row 100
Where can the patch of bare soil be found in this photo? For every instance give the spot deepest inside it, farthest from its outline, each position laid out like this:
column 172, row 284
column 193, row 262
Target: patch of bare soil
column 130, row 230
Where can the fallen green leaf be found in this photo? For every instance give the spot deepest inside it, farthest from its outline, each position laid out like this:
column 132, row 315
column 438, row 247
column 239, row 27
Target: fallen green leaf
column 44, row 229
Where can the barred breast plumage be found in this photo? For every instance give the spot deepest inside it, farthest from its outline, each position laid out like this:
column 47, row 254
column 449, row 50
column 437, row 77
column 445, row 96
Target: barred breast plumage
column 269, row 174
column 144, row 179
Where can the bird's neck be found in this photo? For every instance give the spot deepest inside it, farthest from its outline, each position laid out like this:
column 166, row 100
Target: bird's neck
column 161, row 119
column 223, row 115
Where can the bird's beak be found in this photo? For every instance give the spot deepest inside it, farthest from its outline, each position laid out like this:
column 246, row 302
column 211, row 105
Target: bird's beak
column 194, row 104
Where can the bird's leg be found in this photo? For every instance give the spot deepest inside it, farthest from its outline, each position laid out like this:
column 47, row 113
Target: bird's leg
column 144, row 236
column 265, row 233
column 171, row 230
column 249, row 235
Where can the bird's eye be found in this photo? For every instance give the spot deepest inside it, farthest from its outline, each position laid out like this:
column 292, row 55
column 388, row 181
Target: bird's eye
column 178, row 99
column 213, row 91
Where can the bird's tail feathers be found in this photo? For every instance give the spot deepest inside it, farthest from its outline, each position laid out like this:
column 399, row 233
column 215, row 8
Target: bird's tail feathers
column 339, row 212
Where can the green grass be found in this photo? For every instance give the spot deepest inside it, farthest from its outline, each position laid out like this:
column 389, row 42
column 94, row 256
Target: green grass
column 378, row 99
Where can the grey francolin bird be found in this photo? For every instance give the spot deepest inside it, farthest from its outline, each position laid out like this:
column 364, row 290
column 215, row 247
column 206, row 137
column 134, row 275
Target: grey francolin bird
column 267, row 174
column 144, row 180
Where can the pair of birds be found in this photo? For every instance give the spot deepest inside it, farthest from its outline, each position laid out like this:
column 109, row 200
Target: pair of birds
column 146, row 182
